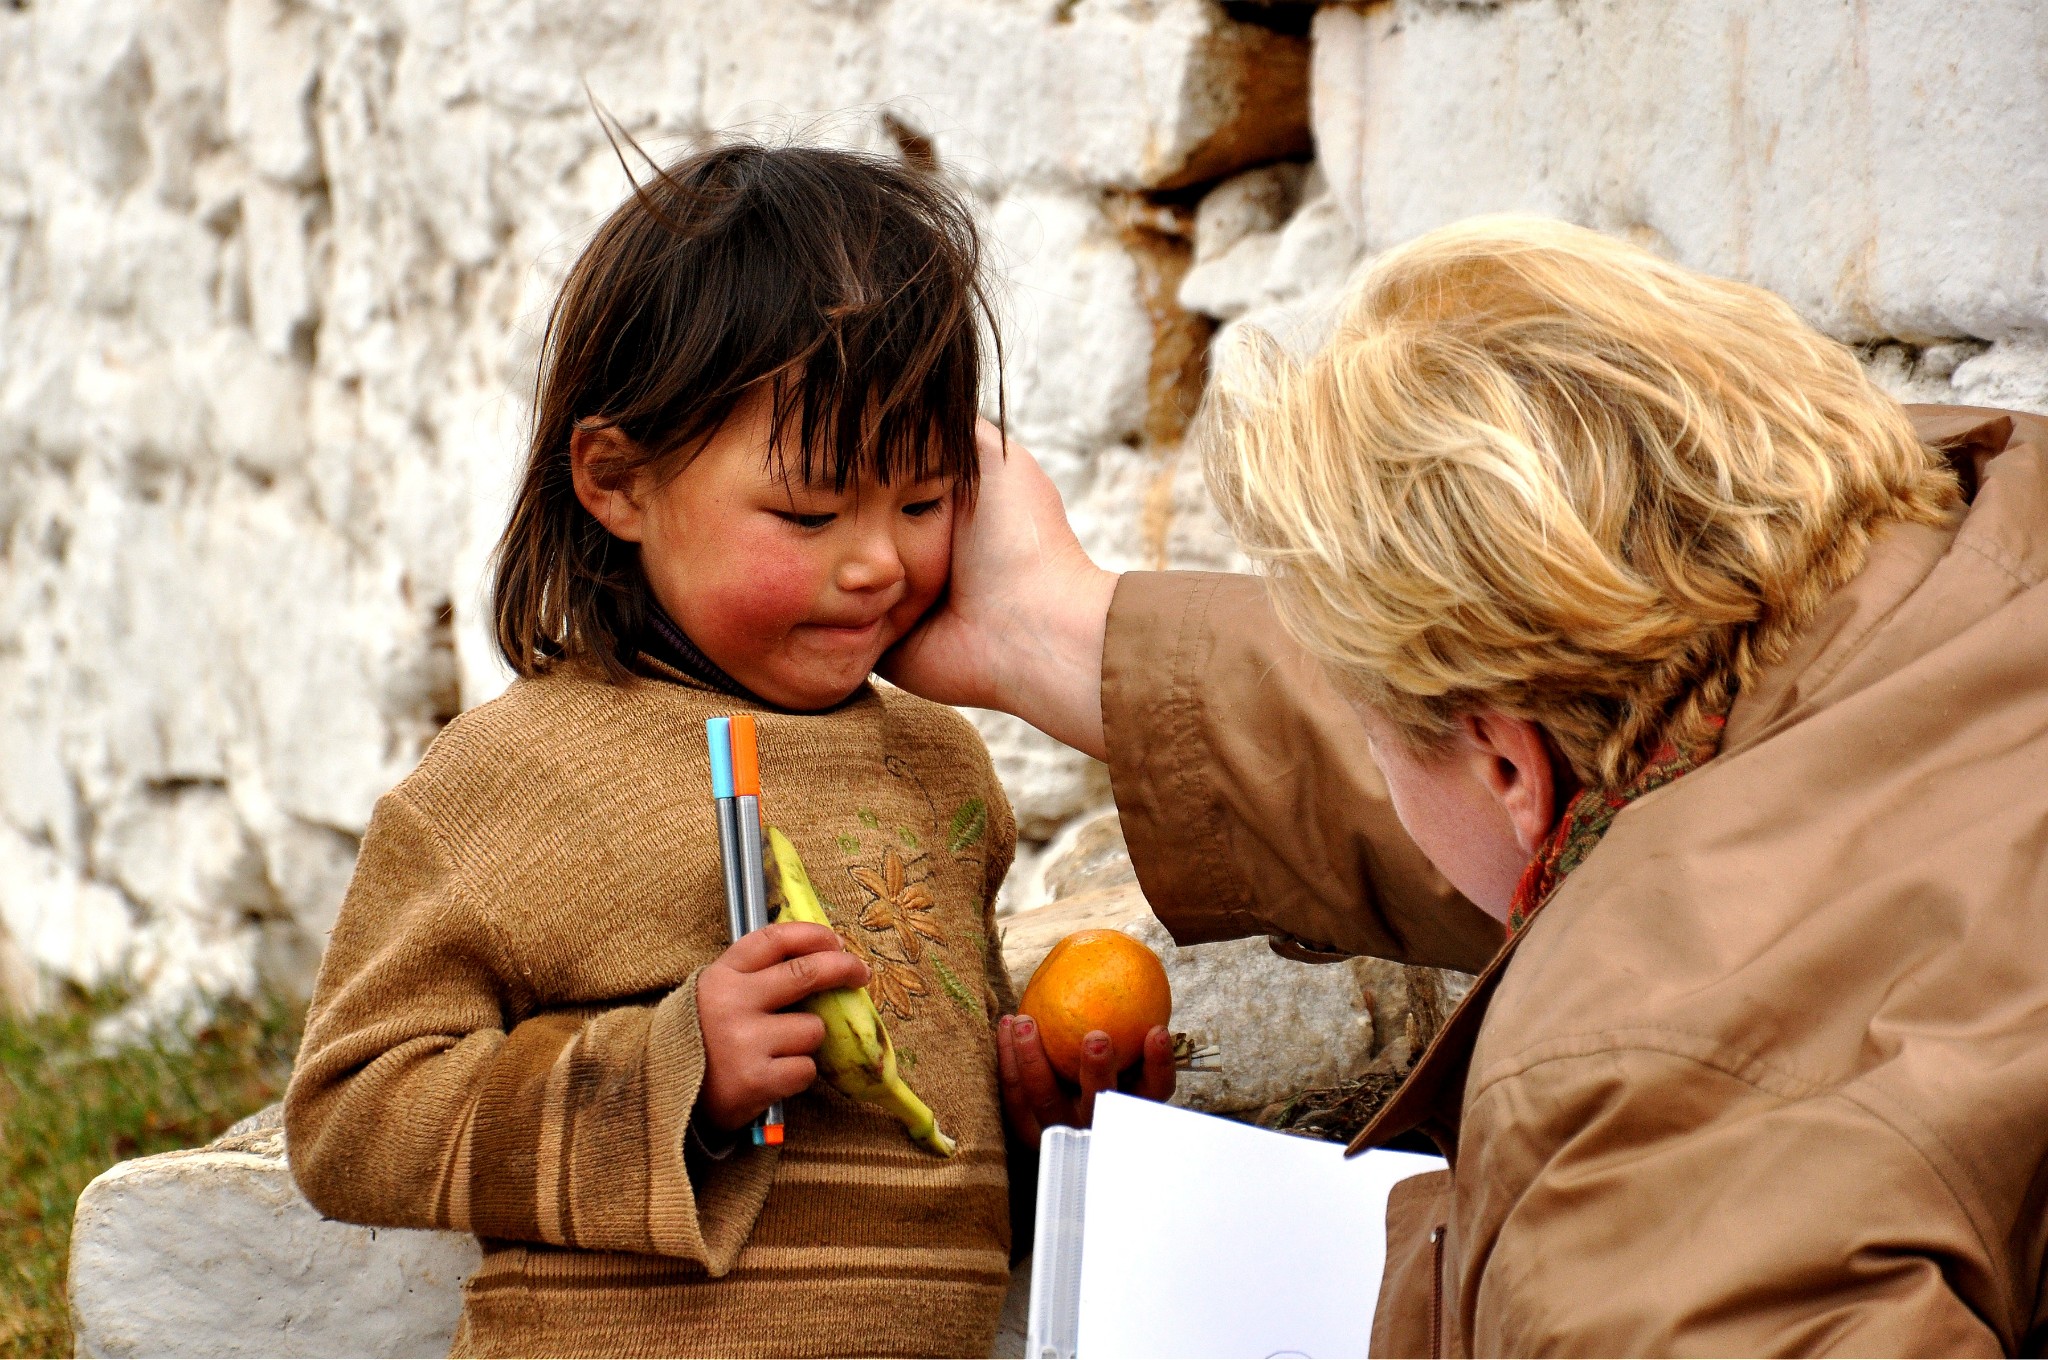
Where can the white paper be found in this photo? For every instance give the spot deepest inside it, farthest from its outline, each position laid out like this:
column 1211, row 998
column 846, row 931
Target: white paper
column 1207, row 1237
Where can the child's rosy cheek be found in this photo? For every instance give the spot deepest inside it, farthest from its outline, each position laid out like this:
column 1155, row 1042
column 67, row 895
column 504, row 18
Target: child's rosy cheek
column 762, row 596
column 930, row 562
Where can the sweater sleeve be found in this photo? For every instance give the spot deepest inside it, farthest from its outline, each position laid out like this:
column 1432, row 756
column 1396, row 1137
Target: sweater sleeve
column 1248, row 797
column 1002, row 853
column 418, row 1103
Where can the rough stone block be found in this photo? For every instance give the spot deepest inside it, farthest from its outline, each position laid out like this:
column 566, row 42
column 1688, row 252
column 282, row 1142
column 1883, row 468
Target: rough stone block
column 1884, row 168
column 1255, row 201
column 1047, row 782
column 1089, row 855
column 215, row 1252
column 1150, row 510
column 1078, row 339
column 1311, row 252
column 1096, row 93
column 273, row 61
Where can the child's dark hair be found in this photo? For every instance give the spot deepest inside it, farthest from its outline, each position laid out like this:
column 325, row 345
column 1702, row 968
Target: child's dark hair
column 849, row 284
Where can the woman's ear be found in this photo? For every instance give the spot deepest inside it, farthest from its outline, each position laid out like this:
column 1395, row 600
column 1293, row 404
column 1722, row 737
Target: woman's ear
column 1515, row 766
column 598, row 459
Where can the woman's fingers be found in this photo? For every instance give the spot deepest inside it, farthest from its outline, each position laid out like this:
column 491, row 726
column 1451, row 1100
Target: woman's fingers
column 1021, row 624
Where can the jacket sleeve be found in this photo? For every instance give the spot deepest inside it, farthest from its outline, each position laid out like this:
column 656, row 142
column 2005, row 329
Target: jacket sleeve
column 1248, row 797
column 1645, row 1202
column 417, row 1103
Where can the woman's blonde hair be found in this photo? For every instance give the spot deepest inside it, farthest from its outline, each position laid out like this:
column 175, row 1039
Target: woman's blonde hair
column 1540, row 470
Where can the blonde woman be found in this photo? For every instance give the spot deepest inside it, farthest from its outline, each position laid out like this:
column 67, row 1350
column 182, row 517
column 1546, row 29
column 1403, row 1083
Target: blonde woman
column 1620, row 643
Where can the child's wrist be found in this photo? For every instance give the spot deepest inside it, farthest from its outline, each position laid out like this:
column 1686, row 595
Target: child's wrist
column 713, row 1141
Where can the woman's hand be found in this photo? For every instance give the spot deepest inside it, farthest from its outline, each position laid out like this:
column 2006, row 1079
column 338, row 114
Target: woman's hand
column 754, row 1053
column 1034, row 1098
column 1020, row 627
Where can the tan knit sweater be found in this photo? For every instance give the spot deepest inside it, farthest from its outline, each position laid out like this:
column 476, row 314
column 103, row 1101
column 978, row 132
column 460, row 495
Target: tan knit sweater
column 504, row 1041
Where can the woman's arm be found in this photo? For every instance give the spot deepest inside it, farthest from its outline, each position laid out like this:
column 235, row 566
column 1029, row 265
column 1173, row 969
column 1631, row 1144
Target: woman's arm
column 1248, row 797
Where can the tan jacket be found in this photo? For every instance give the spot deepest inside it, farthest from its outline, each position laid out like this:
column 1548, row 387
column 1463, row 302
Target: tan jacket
column 1769, row 1074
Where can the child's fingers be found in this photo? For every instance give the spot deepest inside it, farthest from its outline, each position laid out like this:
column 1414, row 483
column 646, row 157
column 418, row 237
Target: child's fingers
column 794, row 1035
column 1098, row 1074
column 788, row 982
column 1036, row 1084
column 786, row 940
column 1157, row 1076
column 786, row 1077
column 1023, row 1119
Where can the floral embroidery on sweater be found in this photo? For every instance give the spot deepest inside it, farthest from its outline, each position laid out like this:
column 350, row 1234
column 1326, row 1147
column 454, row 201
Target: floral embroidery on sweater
column 897, row 932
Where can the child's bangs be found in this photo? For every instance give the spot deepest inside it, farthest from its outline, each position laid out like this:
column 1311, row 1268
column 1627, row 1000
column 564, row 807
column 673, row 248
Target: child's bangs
column 832, row 432
column 880, row 375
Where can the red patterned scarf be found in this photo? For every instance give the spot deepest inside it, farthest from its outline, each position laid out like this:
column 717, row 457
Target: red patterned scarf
column 1587, row 817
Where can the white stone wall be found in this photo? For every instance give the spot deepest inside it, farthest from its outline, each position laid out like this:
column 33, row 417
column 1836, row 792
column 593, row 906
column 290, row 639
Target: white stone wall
column 272, row 276
column 271, row 281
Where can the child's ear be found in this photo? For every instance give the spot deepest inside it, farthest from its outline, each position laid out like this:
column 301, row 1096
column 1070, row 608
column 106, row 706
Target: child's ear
column 599, row 459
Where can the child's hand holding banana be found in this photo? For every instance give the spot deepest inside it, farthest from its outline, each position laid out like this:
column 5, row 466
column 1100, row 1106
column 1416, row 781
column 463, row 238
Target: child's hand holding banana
column 757, row 1050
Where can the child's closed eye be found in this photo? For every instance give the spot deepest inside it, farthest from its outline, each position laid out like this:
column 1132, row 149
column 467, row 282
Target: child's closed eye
column 806, row 521
column 919, row 509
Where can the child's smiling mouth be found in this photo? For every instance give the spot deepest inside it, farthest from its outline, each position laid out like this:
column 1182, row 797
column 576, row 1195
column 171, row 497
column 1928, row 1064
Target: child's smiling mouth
column 848, row 633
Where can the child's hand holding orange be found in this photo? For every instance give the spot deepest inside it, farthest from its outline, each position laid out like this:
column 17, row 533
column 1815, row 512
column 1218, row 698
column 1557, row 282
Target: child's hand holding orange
column 1034, row 1098
column 756, row 1050
column 1095, row 1013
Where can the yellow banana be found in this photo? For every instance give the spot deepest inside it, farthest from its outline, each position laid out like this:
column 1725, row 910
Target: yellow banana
column 856, row 1057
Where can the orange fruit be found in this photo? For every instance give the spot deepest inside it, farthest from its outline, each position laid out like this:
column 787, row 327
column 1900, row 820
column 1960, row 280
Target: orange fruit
column 1097, row 979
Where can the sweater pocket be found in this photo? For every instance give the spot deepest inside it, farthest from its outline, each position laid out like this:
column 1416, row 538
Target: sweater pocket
column 1413, row 1288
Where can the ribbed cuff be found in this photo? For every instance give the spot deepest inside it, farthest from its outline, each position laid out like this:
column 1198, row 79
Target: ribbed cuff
column 709, row 1216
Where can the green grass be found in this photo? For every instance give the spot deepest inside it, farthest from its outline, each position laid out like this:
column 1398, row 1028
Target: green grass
column 68, row 1113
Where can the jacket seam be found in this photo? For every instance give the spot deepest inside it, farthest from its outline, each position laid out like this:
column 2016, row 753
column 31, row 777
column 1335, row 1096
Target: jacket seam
column 1971, row 1203
column 1967, row 1205
column 1711, row 1053
column 1196, row 789
column 2003, row 561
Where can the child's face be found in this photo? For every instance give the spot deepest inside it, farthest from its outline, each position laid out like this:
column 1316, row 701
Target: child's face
column 795, row 591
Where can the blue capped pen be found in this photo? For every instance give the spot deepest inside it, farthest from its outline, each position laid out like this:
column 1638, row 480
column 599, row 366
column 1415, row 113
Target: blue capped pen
column 718, row 736
column 736, row 789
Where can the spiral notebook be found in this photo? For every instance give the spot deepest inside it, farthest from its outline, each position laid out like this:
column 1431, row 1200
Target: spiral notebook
column 1163, row 1232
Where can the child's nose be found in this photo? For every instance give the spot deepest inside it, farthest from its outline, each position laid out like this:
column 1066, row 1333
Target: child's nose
column 875, row 564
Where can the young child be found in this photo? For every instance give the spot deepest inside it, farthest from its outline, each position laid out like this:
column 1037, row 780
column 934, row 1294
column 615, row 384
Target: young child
column 755, row 410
